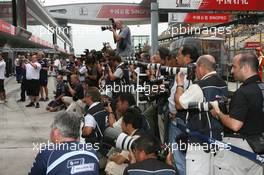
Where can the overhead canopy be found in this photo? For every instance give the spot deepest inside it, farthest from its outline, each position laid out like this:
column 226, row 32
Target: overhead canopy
column 99, row 13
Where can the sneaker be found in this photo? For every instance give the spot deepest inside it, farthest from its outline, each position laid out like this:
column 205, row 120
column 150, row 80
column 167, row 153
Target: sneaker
column 37, row 105
column 2, row 102
column 31, row 104
column 41, row 99
column 21, row 100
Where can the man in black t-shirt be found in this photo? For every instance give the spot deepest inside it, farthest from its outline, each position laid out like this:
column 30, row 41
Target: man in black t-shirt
column 145, row 153
column 74, row 102
column 57, row 104
column 43, row 76
column 245, row 118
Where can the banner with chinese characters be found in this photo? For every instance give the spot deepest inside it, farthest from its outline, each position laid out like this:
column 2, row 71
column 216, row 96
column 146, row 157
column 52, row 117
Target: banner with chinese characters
column 99, row 13
column 252, row 44
column 198, row 18
column 223, row 5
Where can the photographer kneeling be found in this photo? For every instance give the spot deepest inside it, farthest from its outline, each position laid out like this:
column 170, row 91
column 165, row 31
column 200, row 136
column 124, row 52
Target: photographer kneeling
column 147, row 163
column 131, row 125
column 95, row 122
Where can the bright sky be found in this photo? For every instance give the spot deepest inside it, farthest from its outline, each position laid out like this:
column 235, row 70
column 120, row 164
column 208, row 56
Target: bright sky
column 94, row 37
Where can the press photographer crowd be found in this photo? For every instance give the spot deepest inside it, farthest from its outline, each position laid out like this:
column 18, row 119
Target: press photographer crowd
column 167, row 113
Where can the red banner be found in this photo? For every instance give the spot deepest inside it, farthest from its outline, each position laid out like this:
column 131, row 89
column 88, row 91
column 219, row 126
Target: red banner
column 238, row 5
column 206, row 18
column 7, row 28
column 252, row 44
column 123, row 11
column 215, row 5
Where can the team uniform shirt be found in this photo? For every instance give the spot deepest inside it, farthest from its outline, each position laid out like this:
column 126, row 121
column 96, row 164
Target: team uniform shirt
column 89, row 120
column 2, row 69
column 70, row 66
column 65, row 159
column 44, row 73
column 31, row 72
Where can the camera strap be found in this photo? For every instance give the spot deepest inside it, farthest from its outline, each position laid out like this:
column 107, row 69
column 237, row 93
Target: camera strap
column 99, row 129
column 259, row 159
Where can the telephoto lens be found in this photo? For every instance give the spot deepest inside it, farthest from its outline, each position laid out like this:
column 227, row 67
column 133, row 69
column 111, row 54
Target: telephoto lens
column 103, row 28
column 115, row 138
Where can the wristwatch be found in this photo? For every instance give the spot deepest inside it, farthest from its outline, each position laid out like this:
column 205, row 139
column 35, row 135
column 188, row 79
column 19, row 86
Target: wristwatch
column 181, row 86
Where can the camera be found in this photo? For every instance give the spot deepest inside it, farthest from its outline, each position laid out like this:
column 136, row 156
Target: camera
column 156, row 96
column 165, row 70
column 221, row 101
column 103, row 28
column 115, row 138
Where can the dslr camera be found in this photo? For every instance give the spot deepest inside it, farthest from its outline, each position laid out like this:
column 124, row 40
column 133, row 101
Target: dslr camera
column 113, row 25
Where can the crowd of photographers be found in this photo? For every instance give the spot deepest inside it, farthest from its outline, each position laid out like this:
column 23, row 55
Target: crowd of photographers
column 99, row 105
column 136, row 139
column 169, row 113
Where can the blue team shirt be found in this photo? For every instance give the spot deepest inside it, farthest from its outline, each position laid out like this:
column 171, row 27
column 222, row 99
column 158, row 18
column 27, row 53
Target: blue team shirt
column 65, row 159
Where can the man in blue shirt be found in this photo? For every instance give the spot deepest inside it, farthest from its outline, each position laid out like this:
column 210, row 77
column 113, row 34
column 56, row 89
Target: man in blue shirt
column 66, row 155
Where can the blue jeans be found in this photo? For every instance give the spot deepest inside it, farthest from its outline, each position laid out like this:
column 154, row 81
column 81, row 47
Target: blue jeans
column 178, row 156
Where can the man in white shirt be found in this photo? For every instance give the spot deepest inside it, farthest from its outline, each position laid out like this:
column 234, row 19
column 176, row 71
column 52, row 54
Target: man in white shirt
column 2, row 78
column 57, row 66
column 82, row 70
column 186, row 55
column 32, row 75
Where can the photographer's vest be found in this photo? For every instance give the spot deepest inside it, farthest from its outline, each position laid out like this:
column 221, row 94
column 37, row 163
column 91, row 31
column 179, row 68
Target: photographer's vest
column 101, row 116
column 125, row 78
column 203, row 122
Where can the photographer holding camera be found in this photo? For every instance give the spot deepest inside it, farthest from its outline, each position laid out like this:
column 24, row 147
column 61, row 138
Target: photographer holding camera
column 131, row 125
column 207, row 88
column 186, row 54
column 122, row 39
column 244, row 125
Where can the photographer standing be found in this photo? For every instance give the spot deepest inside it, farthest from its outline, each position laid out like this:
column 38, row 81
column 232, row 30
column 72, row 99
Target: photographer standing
column 245, row 118
column 122, row 39
column 206, row 89
column 186, row 54
column 32, row 75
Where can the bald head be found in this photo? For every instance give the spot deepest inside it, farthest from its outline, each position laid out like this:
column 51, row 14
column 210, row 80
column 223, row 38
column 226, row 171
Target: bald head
column 119, row 24
column 74, row 79
column 207, row 61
